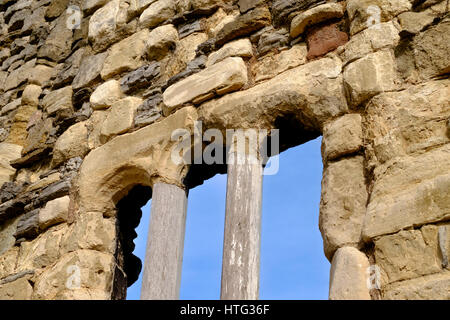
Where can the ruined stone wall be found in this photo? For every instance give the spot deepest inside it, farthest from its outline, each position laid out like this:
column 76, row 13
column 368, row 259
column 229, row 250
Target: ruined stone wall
column 91, row 91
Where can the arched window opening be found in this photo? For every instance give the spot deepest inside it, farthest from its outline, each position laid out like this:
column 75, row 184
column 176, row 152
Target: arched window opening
column 128, row 265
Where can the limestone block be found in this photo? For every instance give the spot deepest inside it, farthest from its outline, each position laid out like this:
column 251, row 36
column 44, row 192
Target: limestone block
column 158, row 12
column 409, row 191
column 416, row 115
column 314, row 89
column 58, row 101
column 19, row 289
column 42, row 183
column 408, row 254
column 42, row 251
column 431, row 287
column 271, row 65
column 18, row 131
column 343, row 204
column 126, row 55
column 221, row 78
column 8, row 261
column 348, row 275
column 94, row 124
column 161, row 41
column 369, row 40
column 365, row 13
column 13, row 105
column 184, row 53
column 40, row 75
column 72, row 143
column 218, row 20
column 31, row 95
column 102, row 25
column 121, row 117
column 414, row 22
column 56, row 8
column 431, row 50
column 8, row 152
column 315, row 15
column 54, row 212
column 91, row 231
column 20, row 75
column 141, row 5
column 3, row 76
column 106, row 95
column 370, row 75
column 5, row 53
column 95, row 270
column 58, row 44
column 89, row 71
column 238, row 48
column 342, row 136
column 83, row 294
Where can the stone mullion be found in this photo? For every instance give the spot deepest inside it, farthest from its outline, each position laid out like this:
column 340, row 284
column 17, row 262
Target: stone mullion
column 241, row 256
column 165, row 243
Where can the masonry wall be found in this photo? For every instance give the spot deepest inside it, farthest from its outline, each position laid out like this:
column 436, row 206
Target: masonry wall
column 87, row 112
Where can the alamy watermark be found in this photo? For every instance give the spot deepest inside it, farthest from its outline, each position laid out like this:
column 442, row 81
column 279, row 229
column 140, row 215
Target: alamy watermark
column 374, row 19
column 74, row 277
column 74, row 17
column 373, row 277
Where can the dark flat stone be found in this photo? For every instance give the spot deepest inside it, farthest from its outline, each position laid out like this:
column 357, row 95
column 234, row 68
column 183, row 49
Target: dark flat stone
column 243, row 25
column 189, row 28
column 28, row 226
column 140, row 78
column 31, row 158
column 282, row 9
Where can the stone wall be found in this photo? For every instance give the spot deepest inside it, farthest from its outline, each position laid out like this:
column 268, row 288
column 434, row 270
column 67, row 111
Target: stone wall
column 91, row 91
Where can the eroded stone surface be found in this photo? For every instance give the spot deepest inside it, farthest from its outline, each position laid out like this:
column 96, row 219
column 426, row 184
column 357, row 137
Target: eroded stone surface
column 342, row 136
column 370, row 75
column 72, row 143
column 406, row 188
column 342, row 205
column 106, row 94
column 408, row 254
column 126, row 55
column 432, row 287
column 239, row 48
column 121, row 117
column 96, row 269
column 272, row 65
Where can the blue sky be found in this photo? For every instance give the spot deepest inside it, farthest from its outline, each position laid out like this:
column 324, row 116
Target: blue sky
column 293, row 265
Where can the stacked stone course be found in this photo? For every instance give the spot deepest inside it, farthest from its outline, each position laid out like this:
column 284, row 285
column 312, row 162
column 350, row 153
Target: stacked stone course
column 91, row 91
